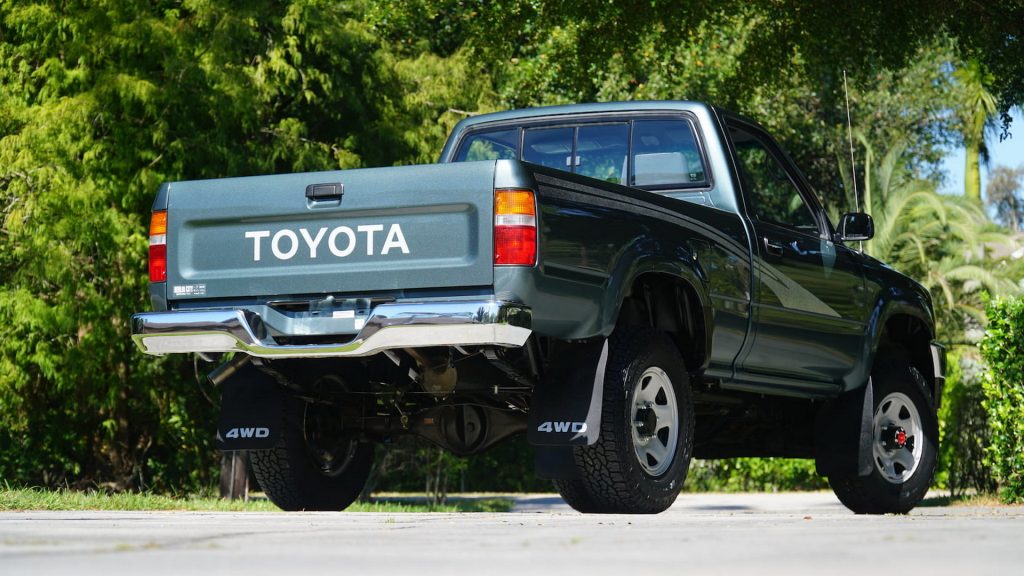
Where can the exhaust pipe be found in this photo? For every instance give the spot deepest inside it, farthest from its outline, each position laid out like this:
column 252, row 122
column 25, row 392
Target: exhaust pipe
column 228, row 369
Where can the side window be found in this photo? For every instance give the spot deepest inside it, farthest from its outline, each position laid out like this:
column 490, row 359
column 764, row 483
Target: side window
column 773, row 196
column 665, row 155
column 499, row 145
column 551, row 147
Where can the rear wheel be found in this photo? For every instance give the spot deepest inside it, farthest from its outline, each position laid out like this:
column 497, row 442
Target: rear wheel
column 313, row 466
column 640, row 460
column 905, row 440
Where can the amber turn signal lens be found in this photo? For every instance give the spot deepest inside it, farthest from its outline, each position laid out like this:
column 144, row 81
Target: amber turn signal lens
column 158, row 223
column 508, row 202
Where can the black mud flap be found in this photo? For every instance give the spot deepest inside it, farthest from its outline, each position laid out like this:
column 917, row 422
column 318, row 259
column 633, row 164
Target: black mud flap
column 251, row 410
column 843, row 434
column 565, row 410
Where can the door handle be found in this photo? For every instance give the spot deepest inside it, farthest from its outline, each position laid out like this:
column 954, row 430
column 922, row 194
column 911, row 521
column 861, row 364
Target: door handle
column 772, row 248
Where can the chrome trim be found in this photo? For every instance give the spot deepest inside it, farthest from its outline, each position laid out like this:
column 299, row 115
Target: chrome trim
column 397, row 325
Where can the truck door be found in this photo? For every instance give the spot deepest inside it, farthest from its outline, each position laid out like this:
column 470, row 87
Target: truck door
column 808, row 311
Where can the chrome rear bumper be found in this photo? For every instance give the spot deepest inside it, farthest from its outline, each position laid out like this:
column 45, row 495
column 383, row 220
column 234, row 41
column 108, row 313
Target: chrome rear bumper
column 405, row 325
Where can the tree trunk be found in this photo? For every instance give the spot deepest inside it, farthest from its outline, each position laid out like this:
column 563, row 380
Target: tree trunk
column 234, row 475
column 972, row 172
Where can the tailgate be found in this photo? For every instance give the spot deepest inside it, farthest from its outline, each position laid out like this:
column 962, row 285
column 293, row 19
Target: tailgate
column 359, row 231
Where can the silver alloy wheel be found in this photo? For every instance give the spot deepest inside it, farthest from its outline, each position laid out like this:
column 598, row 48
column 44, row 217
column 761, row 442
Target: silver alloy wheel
column 654, row 421
column 898, row 438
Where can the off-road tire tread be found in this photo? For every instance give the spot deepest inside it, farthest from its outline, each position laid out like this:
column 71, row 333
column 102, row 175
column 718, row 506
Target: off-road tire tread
column 292, row 488
column 860, row 493
column 607, row 483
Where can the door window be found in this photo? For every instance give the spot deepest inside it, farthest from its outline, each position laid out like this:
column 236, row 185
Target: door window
column 773, row 196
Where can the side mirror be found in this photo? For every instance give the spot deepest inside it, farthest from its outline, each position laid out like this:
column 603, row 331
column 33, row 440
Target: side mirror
column 856, row 226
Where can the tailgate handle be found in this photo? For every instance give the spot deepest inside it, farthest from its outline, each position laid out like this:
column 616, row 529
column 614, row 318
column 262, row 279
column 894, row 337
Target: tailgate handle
column 327, row 191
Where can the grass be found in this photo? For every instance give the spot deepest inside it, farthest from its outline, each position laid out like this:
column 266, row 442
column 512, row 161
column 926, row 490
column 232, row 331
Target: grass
column 35, row 499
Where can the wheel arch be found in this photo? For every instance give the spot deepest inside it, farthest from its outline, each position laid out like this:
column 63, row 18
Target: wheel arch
column 671, row 300
column 909, row 330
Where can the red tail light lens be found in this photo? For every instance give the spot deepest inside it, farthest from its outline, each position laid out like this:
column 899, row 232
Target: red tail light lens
column 158, row 263
column 515, row 228
column 158, row 247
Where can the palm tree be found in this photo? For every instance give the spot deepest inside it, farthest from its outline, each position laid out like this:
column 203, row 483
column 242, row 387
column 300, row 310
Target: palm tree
column 942, row 241
column 977, row 106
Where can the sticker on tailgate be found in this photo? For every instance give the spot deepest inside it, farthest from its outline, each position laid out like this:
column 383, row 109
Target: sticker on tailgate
column 189, row 289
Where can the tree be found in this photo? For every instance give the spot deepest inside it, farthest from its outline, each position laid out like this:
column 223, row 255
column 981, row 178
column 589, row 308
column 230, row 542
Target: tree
column 102, row 101
column 1004, row 194
column 976, row 108
column 827, row 37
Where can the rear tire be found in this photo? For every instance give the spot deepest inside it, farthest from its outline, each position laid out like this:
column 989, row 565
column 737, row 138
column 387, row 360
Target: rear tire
column 640, row 460
column 905, row 441
column 308, row 469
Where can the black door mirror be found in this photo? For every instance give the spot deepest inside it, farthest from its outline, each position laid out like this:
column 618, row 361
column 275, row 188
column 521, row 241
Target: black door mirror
column 856, row 226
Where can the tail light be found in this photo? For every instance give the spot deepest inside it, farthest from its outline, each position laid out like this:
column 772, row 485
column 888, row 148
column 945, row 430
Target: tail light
column 515, row 228
column 158, row 246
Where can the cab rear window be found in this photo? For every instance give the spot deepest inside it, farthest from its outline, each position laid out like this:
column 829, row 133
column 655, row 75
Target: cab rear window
column 650, row 153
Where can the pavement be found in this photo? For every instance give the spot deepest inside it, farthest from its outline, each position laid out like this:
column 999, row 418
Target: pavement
column 790, row 533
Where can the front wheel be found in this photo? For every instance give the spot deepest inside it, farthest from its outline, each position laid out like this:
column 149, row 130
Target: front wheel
column 905, row 440
column 640, row 460
column 313, row 466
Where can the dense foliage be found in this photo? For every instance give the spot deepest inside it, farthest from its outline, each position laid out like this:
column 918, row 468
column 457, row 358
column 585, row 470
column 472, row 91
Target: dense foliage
column 965, row 434
column 1003, row 349
column 101, row 101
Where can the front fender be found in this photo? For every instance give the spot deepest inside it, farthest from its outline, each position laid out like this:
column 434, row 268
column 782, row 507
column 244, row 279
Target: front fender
column 910, row 301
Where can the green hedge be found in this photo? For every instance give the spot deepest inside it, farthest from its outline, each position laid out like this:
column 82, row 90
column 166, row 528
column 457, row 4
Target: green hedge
column 1003, row 350
column 964, row 428
column 753, row 475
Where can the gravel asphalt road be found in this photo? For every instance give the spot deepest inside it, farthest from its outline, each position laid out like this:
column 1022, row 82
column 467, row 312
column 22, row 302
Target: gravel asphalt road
column 760, row 534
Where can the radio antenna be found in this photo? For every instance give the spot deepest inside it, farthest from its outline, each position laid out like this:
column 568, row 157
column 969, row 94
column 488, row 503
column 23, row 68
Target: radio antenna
column 849, row 129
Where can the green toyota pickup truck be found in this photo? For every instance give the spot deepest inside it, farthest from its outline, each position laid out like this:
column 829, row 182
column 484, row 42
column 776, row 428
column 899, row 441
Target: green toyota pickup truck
column 631, row 285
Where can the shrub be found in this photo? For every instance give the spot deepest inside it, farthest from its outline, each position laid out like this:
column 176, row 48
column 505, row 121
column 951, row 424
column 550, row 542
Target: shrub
column 964, row 428
column 753, row 475
column 1003, row 384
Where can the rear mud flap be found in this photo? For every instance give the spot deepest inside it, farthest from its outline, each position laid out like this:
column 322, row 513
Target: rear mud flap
column 251, row 410
column 565, row 410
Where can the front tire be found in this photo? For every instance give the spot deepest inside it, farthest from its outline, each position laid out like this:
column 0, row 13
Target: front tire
column 905, row 440
column 312, row 467
column 640, row 460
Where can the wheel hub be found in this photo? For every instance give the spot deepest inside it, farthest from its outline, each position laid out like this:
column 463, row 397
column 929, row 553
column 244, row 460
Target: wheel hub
column 893, row 437
column 646, row 422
